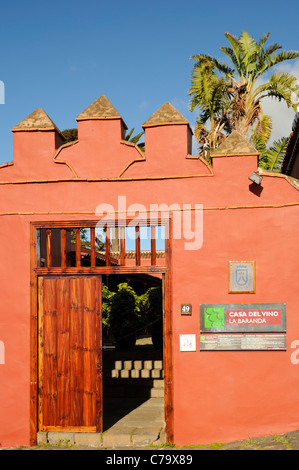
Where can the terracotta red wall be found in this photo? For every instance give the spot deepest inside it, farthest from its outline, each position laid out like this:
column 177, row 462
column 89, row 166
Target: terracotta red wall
column 218, row 396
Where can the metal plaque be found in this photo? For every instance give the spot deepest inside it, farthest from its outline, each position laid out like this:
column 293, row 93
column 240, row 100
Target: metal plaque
column 222, row 318
column 243, row 342
column 241, row 277
column 186, row 309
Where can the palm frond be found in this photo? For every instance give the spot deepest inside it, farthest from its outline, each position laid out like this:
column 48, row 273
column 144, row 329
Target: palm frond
column 262, row 40
column 230, row 53
column 270, row 60
column 129, row 133
column 220, row 66
column 276, row 154
column 271, row 158
column 263, row 127
column 236, row 49
column 282, row 86
column 271, row 49
column 250, row 50
column 260, row 146
column 135, row 139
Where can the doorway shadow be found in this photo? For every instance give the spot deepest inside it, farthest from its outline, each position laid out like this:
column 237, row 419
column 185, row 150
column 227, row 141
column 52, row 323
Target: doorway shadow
column 129, row 380
column 115, row 409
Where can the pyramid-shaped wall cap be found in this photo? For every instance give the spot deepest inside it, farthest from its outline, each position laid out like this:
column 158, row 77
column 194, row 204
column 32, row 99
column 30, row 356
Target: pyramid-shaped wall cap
column 234, row 144
column 101, row 108
column 38, row 120
column 166, row 114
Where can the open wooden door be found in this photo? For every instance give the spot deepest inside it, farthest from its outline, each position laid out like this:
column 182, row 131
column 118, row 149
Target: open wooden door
column 70, row 354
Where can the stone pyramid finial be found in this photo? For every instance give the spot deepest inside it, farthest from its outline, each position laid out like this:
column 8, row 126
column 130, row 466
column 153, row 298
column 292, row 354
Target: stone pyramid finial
column 38, row 120
column 235, row 144
column 166, row 114
column 101, row 108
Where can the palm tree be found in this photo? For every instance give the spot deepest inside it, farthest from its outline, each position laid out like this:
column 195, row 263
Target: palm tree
column 210, row 94
column 250, row 62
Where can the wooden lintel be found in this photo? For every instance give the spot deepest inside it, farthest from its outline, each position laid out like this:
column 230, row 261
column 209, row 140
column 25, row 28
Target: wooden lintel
column 101, row 270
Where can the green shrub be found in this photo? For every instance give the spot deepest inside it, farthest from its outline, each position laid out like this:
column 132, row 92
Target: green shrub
column 153, row 309
column 107, row 296
column 124, row 315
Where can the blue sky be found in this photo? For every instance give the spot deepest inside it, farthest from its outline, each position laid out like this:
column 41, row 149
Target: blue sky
column 61, row 56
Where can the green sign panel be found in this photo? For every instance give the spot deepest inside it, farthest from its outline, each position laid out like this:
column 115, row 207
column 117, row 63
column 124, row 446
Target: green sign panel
column 214, row 318
column 242, row 317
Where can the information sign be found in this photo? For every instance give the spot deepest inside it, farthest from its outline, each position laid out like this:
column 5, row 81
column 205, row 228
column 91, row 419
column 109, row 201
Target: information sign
column 242, row 342
column 187, row 342
column 223, row 318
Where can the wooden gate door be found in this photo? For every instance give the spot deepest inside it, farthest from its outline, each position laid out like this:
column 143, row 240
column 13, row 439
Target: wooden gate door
column 70, row 354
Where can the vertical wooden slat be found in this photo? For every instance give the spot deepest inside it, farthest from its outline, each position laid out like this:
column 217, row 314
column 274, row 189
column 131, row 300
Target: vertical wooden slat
column 48, row 248
column 89, row 411
column 78, row 248
column 107, row 245
column 76, row 352
column 137, row 245
column 63, row 341
column 153, row 246
column 122, row 246
column 63, row 247
column 92, row 247
column 50, row 353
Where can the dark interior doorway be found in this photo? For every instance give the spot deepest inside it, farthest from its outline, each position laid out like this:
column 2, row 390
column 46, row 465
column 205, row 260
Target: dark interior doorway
column 132, row 311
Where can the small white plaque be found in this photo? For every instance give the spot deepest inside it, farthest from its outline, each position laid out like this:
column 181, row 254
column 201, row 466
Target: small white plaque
column 187, row 342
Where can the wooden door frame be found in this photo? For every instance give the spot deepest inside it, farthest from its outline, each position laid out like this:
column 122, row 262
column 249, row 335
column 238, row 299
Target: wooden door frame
column 35, row 272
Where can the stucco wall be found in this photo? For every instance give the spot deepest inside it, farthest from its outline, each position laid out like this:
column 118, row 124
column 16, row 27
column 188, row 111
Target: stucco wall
column 218, row 395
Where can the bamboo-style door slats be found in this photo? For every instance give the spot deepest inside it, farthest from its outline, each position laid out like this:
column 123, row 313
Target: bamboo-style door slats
column 70, row 354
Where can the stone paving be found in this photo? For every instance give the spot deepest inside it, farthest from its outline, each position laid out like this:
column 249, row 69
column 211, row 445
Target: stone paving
column 287, row 441
column 141, row 426
column 142, row 429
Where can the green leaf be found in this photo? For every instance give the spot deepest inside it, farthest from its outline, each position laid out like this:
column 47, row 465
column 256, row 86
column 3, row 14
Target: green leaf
column 129, row 133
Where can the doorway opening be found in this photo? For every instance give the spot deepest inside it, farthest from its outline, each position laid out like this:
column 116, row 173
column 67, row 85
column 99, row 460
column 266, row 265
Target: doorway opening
column 133, row 370
column 69, row 257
